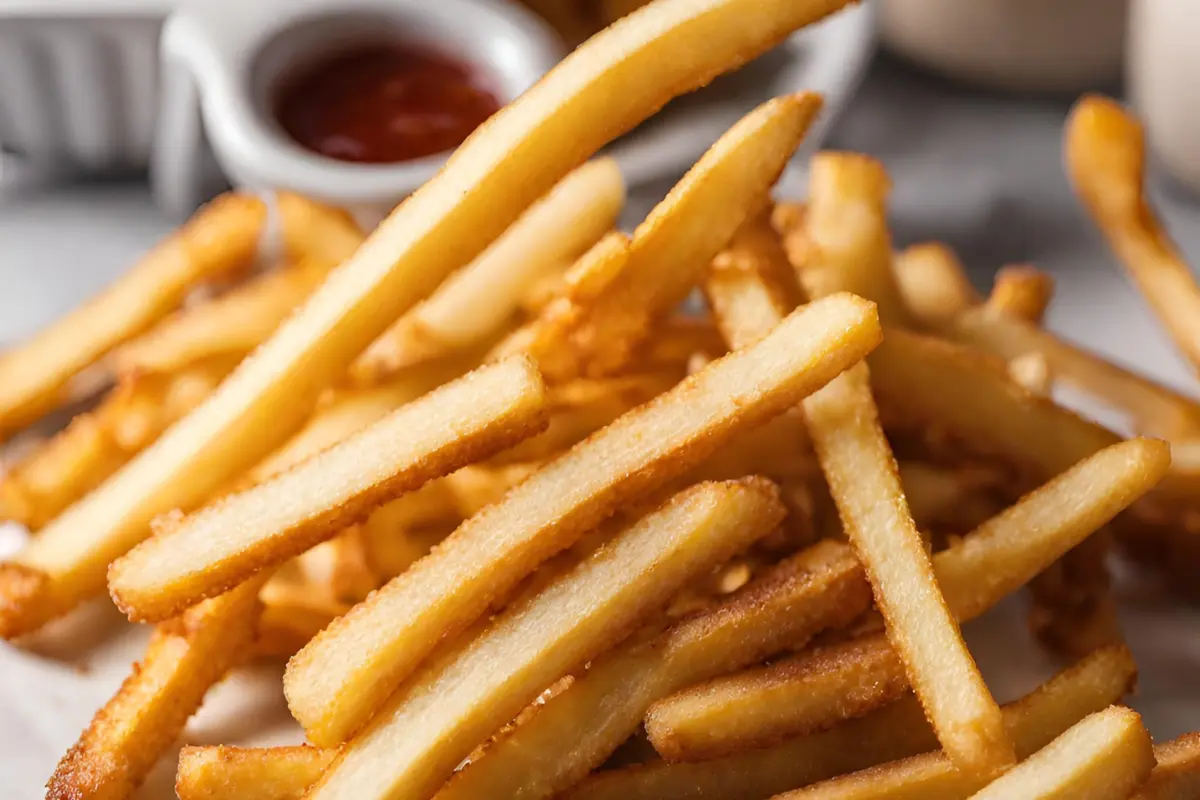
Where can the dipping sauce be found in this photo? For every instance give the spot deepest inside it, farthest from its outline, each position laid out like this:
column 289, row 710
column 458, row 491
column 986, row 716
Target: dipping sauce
column 384, row 104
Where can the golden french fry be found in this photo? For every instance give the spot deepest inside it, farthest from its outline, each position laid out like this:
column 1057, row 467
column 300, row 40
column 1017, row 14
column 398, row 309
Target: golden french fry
column 1095, row 682
column 933, row 283
column 898, row 730
column 414, row 743
column 1104, row 757
column 574, row 731
column 221, row 239
column 229, row 326
column 952, row 498
column 332, row 690
column 224, row 543
column 1105, row 157
column 479, row 299
column 1176, row 776
column 184, row 658
column 235, row 773
column 313, row 230
column 1021, row 291
column 503, row 167
column 683, row 232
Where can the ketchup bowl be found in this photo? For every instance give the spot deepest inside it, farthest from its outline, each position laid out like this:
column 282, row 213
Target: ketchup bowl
column 353, row 103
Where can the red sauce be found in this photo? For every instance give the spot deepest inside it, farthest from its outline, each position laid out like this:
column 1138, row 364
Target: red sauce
column 384, row 104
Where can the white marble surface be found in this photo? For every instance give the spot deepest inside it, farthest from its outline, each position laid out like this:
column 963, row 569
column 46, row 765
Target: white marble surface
column 982, row 173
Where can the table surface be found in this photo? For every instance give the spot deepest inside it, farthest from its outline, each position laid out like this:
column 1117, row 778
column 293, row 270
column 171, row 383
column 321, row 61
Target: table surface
column 982, row 173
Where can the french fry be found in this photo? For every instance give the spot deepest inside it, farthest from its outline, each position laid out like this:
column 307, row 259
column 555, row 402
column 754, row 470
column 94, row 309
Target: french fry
column 1021, row 291
column 315, row 231
column 1104, row 757
column 234, row 773
column 898, row 730
column 332, row 690
column 974, row 574
column 933, row 283
column 697, row 218
column 184, row 658
column 1176, row 776
column 503, row 167
column 232, row 324
column 225, row 543
column 1097, row 681
column 414, row 743
column 1105, row 158
column 574, row 731
column 952, row 498
column 220, row 240
column 477, row 300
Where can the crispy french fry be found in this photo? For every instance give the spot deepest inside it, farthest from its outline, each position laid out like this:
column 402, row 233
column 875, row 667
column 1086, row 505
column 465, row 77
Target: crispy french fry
column 184, row 658
column 974, row 574
column 952, row 498
column 1104, row 757
column 762, row 705
column 1097, row 681
column 220, row 240
column 230, row 325
column 413, row 745
column 1154, row 409
column 1176, row 775
column 313, row 230
column 235, row 773
column 898, row 730
column 1105, row 157
column 55, row 474
column 574, row 731
column 683, row 232
column 224, row 543
column 933, row 283
column 477, row 300
column 1021, row 291
column 332, row 691
column 502, row 168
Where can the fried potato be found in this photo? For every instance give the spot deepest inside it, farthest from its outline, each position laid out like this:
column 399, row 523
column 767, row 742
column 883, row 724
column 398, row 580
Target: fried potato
column 623, row 75
column 1103, row 757
column 235, row 773
column 697, row 218
column 1021, row 291
column 230, row 325
column 221, row 239
column 1105, row 158
column 478, row 300
column 574, row 731
column 1097, row 681
column 184, row 658
column 933, row 283
column 224, row 543
column 414, row 743
column 1176, row 775
column 332, row 690
column 315, row 231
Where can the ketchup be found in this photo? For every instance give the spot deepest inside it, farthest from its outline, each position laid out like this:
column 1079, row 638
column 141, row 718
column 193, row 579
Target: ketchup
column 383, row 104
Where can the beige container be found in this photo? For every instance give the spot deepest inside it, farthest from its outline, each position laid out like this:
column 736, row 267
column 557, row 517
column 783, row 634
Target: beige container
column 1015, row 45
column 1164, row 81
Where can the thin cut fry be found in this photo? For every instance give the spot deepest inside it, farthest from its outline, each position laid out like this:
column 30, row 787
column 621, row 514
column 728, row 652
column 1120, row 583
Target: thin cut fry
column 1105, row 157
column 184, row 658
column 1097, row 681
column 332, row 688
column 235, row 773
column 313, row 230
column 478, row 299
column 224, row 543
column 413, row 745
column 1021, row 291
column 933, row 283
column 682, row 234
column 1176, row 775
column 1104, row 757
column 622, row 75
column 220, row 240
column 230, row 325
column 573, row 732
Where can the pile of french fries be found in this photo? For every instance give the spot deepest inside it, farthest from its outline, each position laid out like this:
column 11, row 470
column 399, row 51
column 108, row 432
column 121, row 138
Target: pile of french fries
column 522, row 528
